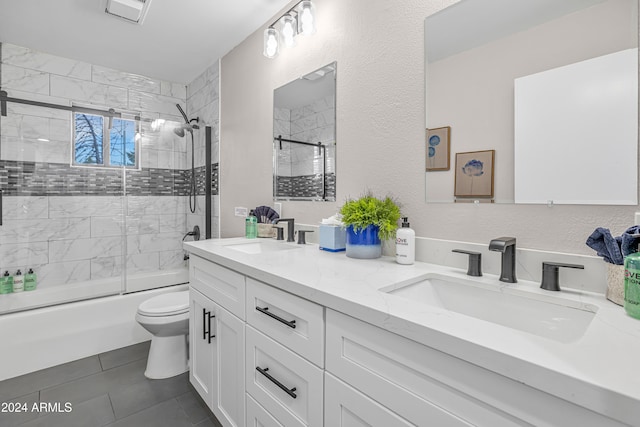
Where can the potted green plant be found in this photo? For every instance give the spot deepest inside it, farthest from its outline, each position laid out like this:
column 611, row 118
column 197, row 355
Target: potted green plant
column 369, row 220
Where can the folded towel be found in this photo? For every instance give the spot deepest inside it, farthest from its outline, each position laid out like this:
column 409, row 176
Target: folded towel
column 630, row 240
column 266, row 214
column 606, row 246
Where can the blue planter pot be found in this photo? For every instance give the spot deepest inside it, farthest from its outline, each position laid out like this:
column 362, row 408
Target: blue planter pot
column 364, row 243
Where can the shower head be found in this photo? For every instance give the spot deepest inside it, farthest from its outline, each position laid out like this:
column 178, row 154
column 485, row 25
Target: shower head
column 180, row 129
column 186, row 126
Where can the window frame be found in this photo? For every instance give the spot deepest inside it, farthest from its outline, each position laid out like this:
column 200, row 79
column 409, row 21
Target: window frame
column 106, row 142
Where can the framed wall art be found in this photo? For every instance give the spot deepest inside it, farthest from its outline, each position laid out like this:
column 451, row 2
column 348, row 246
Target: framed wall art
column 438, row 149
column 474, row 174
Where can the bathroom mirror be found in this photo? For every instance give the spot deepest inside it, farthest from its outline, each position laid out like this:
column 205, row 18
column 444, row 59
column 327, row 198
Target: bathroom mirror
column 304, row 137
column 535, row 81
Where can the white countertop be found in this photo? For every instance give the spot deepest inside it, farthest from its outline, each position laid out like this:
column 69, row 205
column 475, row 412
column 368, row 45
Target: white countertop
column 598, row 371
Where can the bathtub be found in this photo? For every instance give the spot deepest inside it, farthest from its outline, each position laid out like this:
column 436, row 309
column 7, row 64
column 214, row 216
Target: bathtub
column 43, row 337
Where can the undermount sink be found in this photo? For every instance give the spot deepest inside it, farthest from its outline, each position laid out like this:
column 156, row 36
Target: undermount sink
column 260, row 247
column 546, row 316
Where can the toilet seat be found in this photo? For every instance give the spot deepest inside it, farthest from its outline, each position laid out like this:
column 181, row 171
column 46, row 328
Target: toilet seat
column 169, row 304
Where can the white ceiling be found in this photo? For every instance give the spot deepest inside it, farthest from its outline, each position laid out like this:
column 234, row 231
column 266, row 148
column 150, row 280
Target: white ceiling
column 178, row 40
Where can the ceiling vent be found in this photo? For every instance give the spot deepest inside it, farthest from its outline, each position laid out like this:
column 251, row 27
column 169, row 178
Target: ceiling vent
column 130, row 10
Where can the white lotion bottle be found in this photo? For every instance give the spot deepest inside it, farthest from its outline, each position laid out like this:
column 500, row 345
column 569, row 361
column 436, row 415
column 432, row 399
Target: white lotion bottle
column 405, row 244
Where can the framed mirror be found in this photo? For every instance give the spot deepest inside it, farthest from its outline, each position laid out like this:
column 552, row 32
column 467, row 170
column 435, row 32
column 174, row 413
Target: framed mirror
column 551, row 87
column 304, row 137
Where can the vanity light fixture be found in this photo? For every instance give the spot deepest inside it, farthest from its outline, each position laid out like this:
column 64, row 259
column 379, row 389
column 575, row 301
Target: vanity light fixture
column 270, row 42
column 307, row 18
column 300, row 19
column 289, row 30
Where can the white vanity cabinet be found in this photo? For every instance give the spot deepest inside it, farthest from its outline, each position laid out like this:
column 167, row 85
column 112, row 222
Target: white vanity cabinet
column 280, row 360
column 423, row 386
column 217, row 341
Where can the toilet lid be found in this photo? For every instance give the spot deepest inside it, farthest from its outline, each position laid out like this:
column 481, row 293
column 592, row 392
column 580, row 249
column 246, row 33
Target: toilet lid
column 166, row 304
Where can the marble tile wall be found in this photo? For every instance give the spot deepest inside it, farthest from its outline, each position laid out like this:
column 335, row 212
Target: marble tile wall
column 306, row 186
column 203, row 103
column 75, row 239
column 75, row 224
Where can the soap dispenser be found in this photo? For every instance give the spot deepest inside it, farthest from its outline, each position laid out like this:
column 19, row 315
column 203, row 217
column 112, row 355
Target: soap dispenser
column 405, row 243
column 251, row 226
column 6, row 283
column 18, row 282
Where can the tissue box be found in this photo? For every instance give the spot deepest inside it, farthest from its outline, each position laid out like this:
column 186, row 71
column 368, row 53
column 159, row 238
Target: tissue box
column 332, row 238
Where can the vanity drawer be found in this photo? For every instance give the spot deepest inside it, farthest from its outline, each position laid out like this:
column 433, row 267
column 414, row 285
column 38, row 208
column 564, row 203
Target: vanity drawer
column 258, row 416
column 224, row 286
column 292, row 321
column 294, row 392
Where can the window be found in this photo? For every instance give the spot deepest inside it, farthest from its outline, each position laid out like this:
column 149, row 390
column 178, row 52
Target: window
column 96, row 145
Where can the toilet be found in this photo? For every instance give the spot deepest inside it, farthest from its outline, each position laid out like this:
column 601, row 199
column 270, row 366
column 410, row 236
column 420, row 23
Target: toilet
column 166, row 316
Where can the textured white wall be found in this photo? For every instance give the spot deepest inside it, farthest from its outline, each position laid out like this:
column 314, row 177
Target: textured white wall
column 379, row 47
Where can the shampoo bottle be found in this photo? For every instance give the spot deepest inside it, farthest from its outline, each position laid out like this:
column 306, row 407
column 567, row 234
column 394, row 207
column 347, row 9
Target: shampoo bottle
column 251, row 226
column 405, row 243
column 30, row 280
column 18, row 282
column 6, row 283
column 632, row 285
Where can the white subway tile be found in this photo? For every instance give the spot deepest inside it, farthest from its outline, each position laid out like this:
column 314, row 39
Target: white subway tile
column 23, row 207
column 62, row 273
column 147, row 102
column 105, row 267
column 145, row 224
column 24, row 79
column 123, row 79
column 144, row 243
column 65, row 206
column 88, row 92
column 78, row 249
column 174, row 90
column 24, row 254
column 171, row 259
column 106, row 226
column 172, row 223
column 32, row 59
column 31, row 110
column 42, row 230
column 32, row 150
column 139, row 262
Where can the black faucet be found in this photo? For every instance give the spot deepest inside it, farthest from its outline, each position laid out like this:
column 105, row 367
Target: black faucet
column 506, row 245
column 550, row 277
column 290, row 224
column 475, row 262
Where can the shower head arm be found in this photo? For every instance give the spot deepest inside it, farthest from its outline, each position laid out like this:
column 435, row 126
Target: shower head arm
column 184, row 115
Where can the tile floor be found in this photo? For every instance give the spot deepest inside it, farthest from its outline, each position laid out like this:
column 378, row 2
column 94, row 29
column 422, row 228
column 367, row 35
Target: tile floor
column 108, row 389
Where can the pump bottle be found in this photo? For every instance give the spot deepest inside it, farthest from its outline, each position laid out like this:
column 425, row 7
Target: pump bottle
column 405, row 244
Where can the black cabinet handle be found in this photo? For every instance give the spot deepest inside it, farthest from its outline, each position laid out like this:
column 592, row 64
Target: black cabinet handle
column 289, row 323
column 290, row 392
column 206, row 325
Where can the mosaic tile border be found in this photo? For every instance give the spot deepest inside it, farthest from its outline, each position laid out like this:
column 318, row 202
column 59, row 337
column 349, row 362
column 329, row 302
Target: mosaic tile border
column 306, row 186
column 56, row 179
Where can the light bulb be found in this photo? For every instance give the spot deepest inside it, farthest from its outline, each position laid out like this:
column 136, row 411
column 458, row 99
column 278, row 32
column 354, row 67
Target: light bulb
column 270, row 42
column 288, row 30
column 307, row 18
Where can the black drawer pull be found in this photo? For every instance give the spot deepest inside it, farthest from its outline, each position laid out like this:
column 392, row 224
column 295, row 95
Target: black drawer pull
column 276, row 382
column 206, row 325
column 289, row 323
